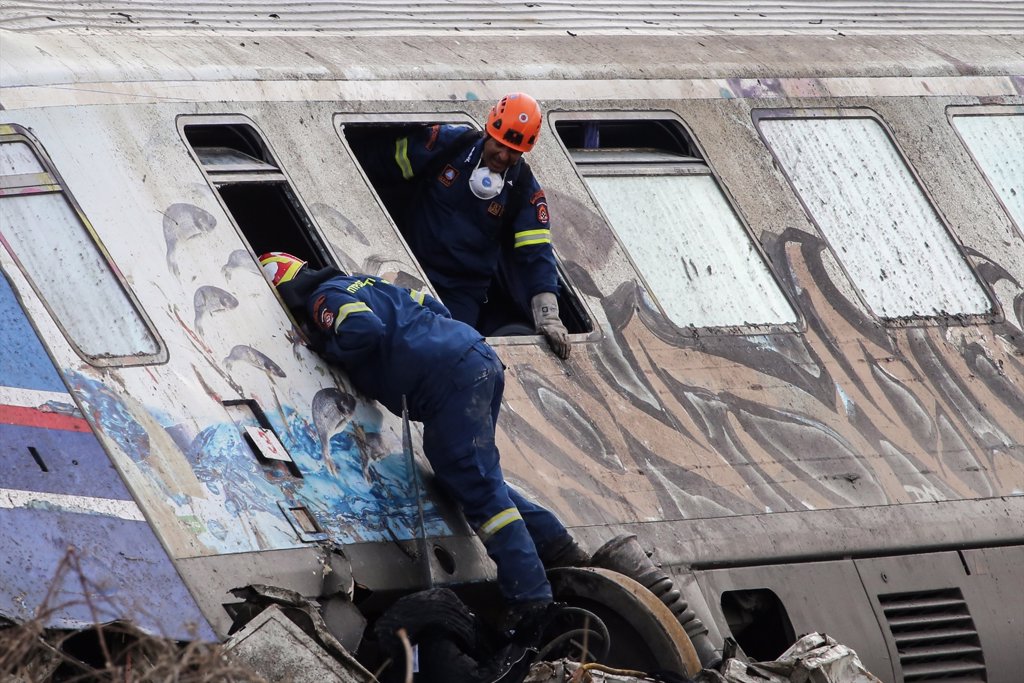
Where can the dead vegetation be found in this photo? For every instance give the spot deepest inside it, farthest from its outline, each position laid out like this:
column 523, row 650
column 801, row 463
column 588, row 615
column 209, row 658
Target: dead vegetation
column 114, row 652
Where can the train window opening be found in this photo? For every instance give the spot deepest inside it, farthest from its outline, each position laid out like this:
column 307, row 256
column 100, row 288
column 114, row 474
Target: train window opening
column 650, row 139
column 255, row 191
column 995, row 139
column 759, row 622
column 506, row 311
column 63, row 259
column 698, row 259
column 856, row 186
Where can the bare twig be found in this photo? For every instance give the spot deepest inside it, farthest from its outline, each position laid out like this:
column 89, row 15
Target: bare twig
column 383, row 667
column 30, row 651
column 404, row 637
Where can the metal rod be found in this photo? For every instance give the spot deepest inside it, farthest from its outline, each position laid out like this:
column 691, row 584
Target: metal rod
column 421, row 541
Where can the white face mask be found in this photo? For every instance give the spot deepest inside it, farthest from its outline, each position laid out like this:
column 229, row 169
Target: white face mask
column 485, row 183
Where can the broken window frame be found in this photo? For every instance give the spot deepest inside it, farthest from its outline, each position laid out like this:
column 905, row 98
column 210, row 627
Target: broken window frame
column 654, row 163
column 50, row 182
column 954, row 112
column 569, row 294
column 994, row 313
column 267, row 170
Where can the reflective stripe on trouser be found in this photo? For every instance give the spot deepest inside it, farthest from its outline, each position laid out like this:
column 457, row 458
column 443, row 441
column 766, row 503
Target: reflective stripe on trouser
column 498, row 522
column 458, row 440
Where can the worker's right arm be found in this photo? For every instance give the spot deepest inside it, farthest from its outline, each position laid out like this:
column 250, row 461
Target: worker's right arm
column 421, row 297
column 357, row 330
column 414, row 152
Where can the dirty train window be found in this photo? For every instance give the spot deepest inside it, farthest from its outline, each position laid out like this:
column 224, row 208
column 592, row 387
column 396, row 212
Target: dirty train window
column 62, row 258
column 254, row 188
column 880, row 224
column 671, row 216
column 996, row 141
column 504, row 313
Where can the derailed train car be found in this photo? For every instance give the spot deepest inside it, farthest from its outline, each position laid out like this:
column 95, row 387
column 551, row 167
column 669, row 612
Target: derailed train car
column 792, row 257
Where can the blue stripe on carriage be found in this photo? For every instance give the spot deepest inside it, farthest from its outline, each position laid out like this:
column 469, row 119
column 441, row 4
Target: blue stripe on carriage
column 126, row 570
column 76, row 463
column 23, row 360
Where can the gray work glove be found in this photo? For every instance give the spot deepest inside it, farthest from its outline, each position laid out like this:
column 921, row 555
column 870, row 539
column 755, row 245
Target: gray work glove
column 547, row 322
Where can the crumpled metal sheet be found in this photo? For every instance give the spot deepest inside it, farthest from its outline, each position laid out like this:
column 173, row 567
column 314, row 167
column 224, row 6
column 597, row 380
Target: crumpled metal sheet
column 565, row 670
column 815, row 658
column 279, row 649
column 292, row 604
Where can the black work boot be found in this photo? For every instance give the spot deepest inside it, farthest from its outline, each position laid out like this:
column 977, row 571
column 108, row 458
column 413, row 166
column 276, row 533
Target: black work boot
column 522, row 618
column 568, row 554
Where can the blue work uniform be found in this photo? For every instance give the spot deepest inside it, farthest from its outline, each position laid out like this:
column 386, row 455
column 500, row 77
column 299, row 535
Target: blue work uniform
column 393, row 341
column 457, row 236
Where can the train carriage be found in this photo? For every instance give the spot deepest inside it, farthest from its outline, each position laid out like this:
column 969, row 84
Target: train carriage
column 791, row 250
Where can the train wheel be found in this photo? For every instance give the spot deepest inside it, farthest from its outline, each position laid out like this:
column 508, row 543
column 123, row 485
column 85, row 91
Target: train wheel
column 644, row 634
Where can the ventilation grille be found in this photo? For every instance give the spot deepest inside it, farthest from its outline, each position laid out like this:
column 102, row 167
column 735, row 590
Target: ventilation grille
column 935, row 636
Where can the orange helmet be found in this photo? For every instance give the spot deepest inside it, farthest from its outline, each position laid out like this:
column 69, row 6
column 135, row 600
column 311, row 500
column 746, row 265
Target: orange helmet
column 280, row 267
column 515, row 121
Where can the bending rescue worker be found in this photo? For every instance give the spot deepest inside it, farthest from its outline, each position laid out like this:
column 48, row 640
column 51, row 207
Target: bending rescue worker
column 475, row 193
column 393, row 341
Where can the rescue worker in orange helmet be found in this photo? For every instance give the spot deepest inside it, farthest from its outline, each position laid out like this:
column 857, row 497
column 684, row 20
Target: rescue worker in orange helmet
column 393, row 341
column 474, row 193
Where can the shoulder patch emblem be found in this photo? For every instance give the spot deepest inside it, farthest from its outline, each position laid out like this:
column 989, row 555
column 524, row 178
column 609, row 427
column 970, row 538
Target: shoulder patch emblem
column 323, row 314
column 496, row 209
column 325, row 319
column 538, row 196
column 542, row 214
column 448, row 175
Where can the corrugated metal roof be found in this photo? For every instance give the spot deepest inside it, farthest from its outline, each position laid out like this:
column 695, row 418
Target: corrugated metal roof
column 521, row 17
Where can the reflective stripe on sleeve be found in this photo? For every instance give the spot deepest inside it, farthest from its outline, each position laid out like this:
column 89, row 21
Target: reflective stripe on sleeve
column 402, row 158
column 528, row 237
column 344, row 311
column 498, row 522
column 417, row 296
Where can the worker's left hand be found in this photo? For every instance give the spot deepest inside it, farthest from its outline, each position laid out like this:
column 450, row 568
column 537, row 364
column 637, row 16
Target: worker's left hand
column 547, row 322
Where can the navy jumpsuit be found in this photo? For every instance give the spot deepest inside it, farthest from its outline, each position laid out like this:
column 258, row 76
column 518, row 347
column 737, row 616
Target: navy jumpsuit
column 393, row 341
column 456, row 235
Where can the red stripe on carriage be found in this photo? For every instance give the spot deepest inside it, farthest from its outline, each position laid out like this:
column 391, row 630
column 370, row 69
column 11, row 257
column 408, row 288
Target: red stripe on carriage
column 34, row 417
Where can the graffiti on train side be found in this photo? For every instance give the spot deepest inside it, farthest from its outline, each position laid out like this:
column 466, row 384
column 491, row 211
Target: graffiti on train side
column 183, row 222
column 209, row 300
column 849, row 412
column 354, row 476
